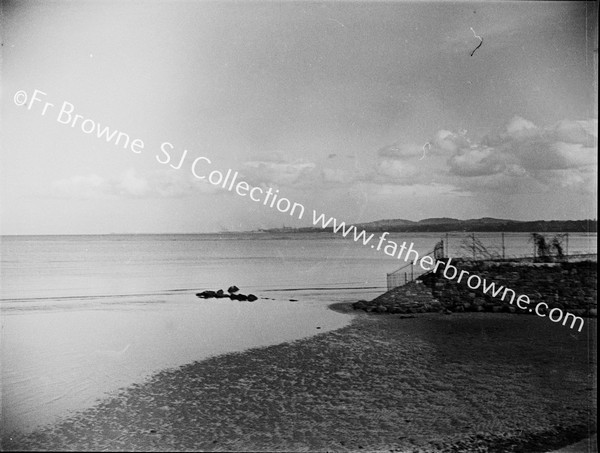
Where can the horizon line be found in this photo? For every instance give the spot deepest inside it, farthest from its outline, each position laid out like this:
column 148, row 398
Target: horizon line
column 291, row 229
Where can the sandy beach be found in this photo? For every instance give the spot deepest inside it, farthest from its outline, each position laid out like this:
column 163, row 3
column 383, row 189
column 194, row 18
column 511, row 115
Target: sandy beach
column 468, row 382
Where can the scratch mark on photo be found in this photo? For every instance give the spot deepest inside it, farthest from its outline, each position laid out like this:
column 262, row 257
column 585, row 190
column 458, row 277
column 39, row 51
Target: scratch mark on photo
column 480, row 39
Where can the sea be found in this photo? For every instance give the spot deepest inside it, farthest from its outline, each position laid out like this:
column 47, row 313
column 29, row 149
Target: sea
column 83, row 316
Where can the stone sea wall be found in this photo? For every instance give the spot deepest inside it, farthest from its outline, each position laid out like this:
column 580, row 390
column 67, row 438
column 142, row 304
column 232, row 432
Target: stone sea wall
column 571, row 287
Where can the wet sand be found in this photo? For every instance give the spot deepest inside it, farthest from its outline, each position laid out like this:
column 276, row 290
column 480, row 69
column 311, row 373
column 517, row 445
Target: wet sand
column 461, row 382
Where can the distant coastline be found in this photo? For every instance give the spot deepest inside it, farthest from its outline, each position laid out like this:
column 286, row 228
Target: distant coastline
column 432, row 225
column 447, row 225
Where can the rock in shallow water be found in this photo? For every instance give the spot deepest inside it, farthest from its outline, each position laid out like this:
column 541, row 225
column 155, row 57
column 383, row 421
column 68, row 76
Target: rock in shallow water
column 220, row 294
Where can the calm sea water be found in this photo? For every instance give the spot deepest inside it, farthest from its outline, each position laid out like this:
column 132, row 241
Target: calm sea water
column 86, row 315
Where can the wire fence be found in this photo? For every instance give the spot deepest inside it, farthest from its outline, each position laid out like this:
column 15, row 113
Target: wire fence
column 499, row 246
column 412, row 271
column 502, row 246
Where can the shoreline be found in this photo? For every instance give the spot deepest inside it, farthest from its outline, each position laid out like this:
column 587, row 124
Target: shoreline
column 381, row 383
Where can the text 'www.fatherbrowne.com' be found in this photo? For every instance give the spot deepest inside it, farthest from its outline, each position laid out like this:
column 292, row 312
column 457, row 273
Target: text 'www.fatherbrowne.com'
column 66, row 114
column 450, row 272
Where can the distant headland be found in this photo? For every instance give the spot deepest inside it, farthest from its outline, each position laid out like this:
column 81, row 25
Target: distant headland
column 446, row 224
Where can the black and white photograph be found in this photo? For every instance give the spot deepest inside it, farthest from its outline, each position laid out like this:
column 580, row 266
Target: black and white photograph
column 298, row 226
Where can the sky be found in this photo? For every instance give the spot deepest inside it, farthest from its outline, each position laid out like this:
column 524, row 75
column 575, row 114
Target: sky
column 359, row 110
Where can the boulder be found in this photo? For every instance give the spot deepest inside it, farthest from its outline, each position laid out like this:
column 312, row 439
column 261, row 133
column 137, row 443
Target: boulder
column 252, row 298
column 206, row 294
column 360, row 305
column 232, row 289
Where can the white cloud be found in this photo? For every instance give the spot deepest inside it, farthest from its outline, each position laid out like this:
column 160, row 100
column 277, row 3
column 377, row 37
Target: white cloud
column 281, row 173
column 161, row 184
column 519, row 127
column 132, row 185
column 564, row 155
column 400, row 151
column 448, row 142
column 397, row 170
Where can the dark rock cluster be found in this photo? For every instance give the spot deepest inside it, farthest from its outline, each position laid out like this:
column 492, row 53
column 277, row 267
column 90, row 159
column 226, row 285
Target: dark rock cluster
column 231, row 294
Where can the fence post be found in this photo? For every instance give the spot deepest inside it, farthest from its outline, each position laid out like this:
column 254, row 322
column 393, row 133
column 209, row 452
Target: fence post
column 567, row 246
column 412, row 274
column 503, row 249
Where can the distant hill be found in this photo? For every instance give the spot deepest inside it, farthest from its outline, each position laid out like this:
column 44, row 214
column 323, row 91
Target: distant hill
column 487, row 224
column 438, row 221
column 446, row 224
column 490, row 220
column 386, row 224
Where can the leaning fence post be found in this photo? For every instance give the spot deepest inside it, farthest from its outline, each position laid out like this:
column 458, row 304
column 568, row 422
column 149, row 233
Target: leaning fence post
column 447, row 247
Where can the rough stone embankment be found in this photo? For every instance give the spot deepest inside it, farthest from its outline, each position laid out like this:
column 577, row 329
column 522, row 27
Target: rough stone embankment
column 572, row 287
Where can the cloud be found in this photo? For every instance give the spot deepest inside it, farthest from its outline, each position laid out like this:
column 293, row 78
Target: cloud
column 577, row 132
column 336, row 175
column 403, row 164
column 434, row 190
column 521, row 157
column 132, row 185
column 448, row 142
column 397, row 170
column 520, row 127
column 400, row 151
column 281, row 173
column 161, row 184
column 564, row 154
